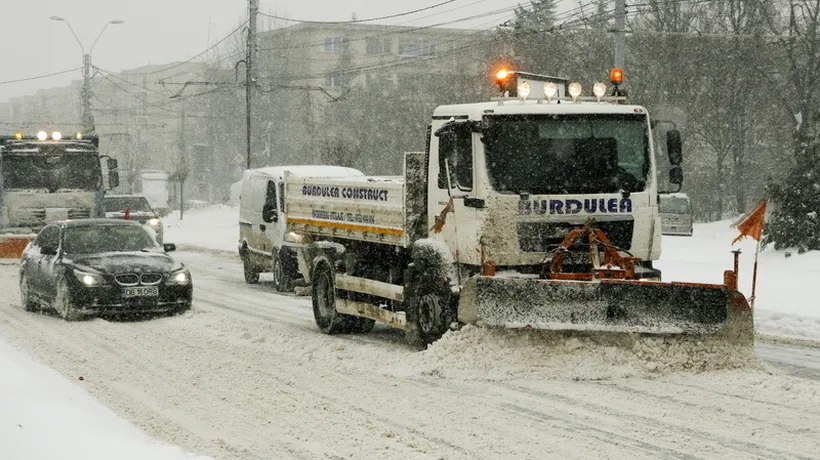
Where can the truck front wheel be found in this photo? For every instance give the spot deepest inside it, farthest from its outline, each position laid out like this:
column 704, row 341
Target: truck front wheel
column 428, row 310
column 323, row 296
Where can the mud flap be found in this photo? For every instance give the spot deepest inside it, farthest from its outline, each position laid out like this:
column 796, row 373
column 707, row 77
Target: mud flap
column 617, row 306
column 13, row 246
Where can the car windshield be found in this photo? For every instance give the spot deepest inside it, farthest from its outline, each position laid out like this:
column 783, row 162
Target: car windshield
column 52, row 169
column 586, row 153
column 106, row 238
column 113, row 204
column 674, row 205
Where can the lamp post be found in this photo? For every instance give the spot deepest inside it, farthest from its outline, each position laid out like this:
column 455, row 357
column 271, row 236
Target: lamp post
column 88, row 117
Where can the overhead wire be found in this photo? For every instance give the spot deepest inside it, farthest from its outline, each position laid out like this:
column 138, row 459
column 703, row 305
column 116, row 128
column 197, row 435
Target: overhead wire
column 40, row 76
column 358, row 21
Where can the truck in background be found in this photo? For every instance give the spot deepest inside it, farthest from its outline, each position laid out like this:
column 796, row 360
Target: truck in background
column 46, row 178
column 262, row 235
column 153, row 185
column 676, row 214
column 538, row 209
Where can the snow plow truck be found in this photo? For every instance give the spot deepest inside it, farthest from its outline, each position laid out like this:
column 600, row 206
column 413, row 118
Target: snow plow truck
column 537, row 209
column 46, row 178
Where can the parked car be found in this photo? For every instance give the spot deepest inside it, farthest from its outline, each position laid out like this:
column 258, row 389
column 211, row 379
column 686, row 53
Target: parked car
column 139, row 209
column 263, row 244
column 86, row 267
column 675, row 210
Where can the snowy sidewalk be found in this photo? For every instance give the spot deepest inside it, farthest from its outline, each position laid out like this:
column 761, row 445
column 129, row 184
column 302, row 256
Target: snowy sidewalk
column 43, row 416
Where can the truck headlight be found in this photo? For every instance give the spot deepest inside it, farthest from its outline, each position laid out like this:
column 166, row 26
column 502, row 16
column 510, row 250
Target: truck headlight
column 293, row 237
column 180, row 277
column 154, row 222
column 89, row 279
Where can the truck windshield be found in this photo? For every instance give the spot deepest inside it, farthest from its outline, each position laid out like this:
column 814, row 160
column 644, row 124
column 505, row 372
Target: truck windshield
column 579, row 153
column 53, row 169
column 674, row 205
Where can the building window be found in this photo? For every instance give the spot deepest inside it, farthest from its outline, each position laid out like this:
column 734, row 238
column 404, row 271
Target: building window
column 334, row 44
column 334, row 80
column 377, row 45
column 416, row 47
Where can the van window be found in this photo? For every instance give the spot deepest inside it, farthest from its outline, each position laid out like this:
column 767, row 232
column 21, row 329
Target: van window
column 674, row 206
column 270, row 195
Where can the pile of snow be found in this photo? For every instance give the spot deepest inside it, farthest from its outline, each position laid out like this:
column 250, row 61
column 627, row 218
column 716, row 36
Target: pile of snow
column 492, row 354
column 214, row 227
column 43, row 416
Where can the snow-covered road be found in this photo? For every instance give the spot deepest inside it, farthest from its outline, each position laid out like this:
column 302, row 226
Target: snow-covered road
column 246, row 375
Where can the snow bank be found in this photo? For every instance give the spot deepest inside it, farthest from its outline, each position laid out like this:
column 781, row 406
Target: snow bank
column 493, row 354
column 43, row 416
column 215, row 227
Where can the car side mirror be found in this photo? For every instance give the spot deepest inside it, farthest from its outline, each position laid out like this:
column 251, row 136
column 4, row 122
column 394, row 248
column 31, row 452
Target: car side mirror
column 169, row 247
column 48, row 250
column 113, row 178
column 674, row 147
column 269, row 213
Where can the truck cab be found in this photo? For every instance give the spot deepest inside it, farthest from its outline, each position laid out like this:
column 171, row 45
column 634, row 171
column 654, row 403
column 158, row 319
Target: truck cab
column 520, row 173
column 49, row 178
column 262, row 224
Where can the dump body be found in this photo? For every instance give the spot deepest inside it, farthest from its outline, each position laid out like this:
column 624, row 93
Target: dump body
column 367, row 209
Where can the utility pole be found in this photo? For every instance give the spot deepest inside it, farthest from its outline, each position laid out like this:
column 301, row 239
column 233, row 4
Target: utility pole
column 253, row 9
column 620, row 20
column 85, row 95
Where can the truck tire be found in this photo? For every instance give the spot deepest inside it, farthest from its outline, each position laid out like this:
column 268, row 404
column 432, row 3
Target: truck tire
column 323, row 296
column 251, row 275
column 282, row 280
column 428, row 310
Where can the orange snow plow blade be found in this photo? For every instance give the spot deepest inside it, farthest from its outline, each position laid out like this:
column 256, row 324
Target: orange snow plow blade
column 631, row 306
column 11, row 246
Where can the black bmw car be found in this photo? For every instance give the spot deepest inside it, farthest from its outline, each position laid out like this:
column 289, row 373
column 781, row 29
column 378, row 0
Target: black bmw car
column 90, row 266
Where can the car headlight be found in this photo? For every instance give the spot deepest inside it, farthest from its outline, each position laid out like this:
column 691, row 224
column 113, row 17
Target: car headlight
column 154, row 222
column 180, row 277
column 89, row 279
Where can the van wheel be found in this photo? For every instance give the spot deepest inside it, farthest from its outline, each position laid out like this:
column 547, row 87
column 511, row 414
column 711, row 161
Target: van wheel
column 251, row 275
column 323, row 296
column 281, row 279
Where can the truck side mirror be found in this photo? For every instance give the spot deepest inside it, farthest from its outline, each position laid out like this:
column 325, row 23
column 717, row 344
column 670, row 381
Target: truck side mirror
column 111, row 163
column 269, row 213
column 674, row 147
column 676, row 176
column 113, row 178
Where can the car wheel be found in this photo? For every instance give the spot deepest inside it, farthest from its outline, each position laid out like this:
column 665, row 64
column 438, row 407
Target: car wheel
column 63, row 304
column 251, row 275
column 25, row 295
column 281, row 279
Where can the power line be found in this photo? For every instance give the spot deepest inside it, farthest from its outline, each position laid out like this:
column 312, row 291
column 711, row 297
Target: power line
column 357, row 21
column 40, row 76
column 173, row 66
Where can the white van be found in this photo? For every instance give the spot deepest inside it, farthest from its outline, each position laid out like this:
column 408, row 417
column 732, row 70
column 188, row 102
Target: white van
column 675, row 210
column 262, row 245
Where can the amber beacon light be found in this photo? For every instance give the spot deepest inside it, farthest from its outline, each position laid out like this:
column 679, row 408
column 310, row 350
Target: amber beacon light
column 616, row 76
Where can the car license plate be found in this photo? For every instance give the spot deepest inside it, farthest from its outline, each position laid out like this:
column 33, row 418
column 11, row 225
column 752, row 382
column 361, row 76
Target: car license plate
column 150, row 291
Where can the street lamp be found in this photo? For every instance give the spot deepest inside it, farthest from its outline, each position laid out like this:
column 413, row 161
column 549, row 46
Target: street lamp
column 88, row 117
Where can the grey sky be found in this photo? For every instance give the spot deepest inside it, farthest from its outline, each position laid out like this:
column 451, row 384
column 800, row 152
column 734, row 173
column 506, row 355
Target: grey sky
column 162, row 31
